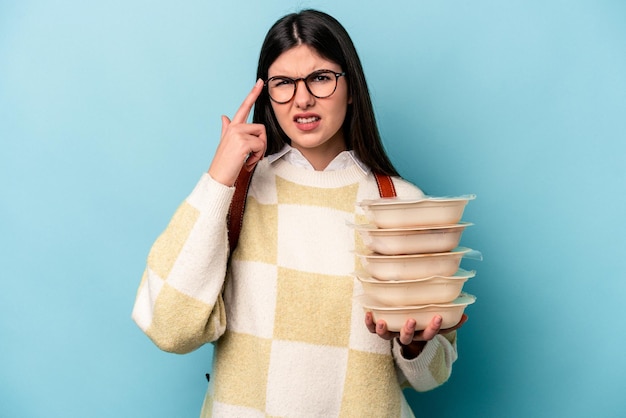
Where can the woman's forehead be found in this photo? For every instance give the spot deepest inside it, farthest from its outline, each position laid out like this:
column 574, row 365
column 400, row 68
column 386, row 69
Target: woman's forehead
column 300, row 61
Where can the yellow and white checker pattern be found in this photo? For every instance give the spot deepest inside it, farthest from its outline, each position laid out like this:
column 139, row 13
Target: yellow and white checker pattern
column 169, row 307
column 295, row 338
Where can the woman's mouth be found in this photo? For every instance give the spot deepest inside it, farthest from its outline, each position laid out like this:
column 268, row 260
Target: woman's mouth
column 308, row 122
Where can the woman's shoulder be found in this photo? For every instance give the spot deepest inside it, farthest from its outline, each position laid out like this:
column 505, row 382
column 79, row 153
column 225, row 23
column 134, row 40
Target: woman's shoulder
column 406, row 190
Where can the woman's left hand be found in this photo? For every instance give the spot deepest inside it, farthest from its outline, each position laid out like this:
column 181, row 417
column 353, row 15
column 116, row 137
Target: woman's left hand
column 408, row 336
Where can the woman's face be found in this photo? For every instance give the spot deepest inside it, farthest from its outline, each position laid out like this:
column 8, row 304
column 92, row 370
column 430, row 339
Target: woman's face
column 312, row 124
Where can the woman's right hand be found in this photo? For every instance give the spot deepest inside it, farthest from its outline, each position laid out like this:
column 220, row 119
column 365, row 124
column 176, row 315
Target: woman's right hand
column 241, row 143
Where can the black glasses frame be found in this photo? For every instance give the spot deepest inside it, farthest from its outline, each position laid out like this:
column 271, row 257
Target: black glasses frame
column 306, row 84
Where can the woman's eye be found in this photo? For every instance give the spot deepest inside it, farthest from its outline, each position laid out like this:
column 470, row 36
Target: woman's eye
column 320, row 78
column 280, row 82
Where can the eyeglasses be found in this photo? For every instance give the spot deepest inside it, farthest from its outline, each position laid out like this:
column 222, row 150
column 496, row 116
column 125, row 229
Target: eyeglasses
column 320, row 83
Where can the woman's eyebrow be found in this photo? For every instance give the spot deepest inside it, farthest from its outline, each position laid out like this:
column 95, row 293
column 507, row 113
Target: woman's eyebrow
column 304, row 76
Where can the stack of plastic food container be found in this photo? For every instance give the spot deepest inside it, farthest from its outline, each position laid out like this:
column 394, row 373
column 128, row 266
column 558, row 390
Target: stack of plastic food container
column 412, row 268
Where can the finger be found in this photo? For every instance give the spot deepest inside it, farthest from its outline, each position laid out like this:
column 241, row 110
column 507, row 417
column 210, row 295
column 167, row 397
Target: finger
column 432, row 329
column 257, row 150
column 251, row 161
column 369, row 322
column 225, row 123
column 408, row 331
column 244, row 111
column 383, row 332
column 381, row 328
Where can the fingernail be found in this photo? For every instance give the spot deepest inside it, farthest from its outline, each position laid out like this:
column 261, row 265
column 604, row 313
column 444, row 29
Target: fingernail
column 438, row 320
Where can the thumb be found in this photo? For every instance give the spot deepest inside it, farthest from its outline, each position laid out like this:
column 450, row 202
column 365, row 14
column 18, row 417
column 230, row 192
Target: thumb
column 225, row 123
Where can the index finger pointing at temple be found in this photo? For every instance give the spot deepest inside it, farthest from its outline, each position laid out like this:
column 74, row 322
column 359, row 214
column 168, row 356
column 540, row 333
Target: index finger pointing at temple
column 244, row 111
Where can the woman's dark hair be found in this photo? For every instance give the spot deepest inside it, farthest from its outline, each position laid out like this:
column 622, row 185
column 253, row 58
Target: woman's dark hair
column 328, row 37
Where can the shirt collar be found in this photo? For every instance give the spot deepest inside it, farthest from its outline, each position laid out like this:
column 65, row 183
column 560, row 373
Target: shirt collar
column 342, row 161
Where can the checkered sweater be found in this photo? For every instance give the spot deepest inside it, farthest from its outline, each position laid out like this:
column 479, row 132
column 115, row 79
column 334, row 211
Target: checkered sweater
column 289, row 338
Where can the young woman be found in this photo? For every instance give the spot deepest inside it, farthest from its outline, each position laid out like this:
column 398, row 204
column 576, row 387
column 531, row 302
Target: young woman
column 289, row 338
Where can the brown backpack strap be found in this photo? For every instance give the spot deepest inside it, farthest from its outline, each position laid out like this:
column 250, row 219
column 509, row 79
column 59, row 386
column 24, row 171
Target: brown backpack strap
column 237, row 205
column 385, row 185
column 242, row 184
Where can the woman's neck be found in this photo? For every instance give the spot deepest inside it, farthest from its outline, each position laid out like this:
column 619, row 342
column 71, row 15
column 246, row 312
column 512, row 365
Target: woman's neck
column 322, row 155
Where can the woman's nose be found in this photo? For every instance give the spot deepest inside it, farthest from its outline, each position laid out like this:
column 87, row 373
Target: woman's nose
column 303, row 98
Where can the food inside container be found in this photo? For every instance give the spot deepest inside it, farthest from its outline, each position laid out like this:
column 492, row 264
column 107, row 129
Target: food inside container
column 430, row 210
column 396, row 317
column 412, row 240
column 436, row 289
column 415, row 266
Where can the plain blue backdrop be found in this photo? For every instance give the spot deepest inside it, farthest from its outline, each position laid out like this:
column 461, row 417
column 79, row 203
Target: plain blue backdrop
column 110, row 112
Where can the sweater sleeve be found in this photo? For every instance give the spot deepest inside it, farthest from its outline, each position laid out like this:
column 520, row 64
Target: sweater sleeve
column 432, row 367
column 179, row 303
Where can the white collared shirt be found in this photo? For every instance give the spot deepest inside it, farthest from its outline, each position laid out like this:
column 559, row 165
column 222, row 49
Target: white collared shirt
column 294, row 157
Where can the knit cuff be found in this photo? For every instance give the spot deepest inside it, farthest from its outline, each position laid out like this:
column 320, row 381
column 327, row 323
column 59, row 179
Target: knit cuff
column 211, row 197
column 422, row 362
column 418, row 363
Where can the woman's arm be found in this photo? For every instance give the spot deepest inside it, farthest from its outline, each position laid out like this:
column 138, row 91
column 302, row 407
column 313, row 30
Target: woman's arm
column 432, row 367
column 423, row 358
column 179, row 304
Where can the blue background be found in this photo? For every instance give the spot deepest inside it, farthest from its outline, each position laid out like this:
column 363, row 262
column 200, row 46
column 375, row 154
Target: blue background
column 110, row 112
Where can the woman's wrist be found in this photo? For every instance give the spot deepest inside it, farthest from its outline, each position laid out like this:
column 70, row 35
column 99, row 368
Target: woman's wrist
column 412, row 350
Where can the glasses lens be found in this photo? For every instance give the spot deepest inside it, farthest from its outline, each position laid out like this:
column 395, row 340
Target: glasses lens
column 322, row 83
column 281, row 89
